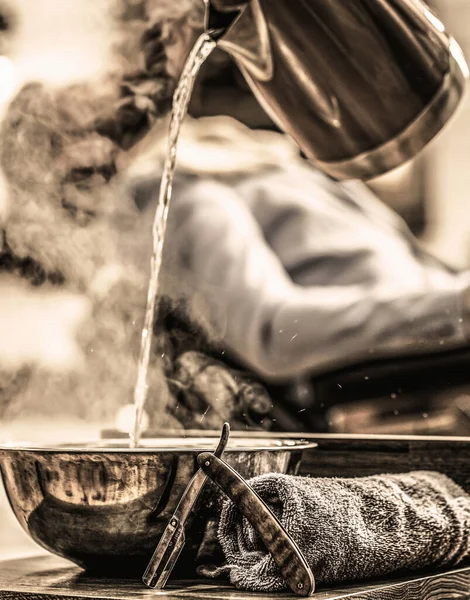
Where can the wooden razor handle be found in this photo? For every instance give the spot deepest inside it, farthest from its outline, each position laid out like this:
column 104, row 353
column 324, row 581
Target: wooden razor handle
column 285, row 552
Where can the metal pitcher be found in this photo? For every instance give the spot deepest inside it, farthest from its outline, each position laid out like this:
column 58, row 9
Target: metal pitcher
column 361, row 85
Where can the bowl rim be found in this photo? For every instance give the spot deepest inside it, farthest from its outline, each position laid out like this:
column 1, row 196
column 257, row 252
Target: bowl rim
column 118, row 446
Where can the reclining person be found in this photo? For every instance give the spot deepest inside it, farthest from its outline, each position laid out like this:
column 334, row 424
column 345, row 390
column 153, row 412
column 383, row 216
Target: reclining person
column 305, row 274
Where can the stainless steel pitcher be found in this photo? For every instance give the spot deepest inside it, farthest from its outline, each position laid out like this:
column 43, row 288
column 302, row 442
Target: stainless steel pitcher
column 361, row 85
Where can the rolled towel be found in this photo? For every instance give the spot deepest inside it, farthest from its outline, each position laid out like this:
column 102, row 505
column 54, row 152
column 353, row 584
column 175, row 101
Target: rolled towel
column 351, row 529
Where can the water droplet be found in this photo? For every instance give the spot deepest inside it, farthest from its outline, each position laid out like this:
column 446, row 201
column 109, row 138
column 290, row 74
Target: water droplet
column 204, row 414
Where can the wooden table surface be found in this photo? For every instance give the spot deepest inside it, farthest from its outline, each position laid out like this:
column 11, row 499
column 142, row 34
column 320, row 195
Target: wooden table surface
column 50, row 578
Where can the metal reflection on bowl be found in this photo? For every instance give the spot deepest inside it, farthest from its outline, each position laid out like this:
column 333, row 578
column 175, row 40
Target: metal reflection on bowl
column 104, row 505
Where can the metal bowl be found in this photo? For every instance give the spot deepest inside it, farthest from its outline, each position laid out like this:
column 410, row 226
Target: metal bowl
column 104, row 505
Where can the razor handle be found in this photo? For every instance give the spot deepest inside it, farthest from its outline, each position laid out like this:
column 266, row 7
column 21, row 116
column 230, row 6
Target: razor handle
column 283, row 549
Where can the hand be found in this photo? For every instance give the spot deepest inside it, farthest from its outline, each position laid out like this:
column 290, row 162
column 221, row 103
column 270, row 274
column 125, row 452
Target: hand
column 207, row 394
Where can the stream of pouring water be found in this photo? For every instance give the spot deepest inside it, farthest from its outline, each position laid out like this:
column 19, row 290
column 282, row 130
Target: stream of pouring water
column 201, row 50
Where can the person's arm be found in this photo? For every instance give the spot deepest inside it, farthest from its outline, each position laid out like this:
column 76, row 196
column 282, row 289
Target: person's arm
column 278, row 328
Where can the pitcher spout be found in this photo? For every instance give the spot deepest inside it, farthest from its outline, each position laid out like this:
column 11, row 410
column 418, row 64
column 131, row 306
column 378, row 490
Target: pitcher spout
column 220, row 16
column 241, row 30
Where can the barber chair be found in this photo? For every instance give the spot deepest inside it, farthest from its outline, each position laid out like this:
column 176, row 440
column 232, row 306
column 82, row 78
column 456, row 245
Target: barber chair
column 419, row 395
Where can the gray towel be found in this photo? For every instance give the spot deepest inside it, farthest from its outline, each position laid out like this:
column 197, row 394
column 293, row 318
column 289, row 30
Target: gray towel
column 350, row 529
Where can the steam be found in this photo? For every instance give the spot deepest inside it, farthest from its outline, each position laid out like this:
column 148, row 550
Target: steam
column 9, row 77
column 39, row 327
column 4, row 202
column 65, row 227
column 61, row 42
